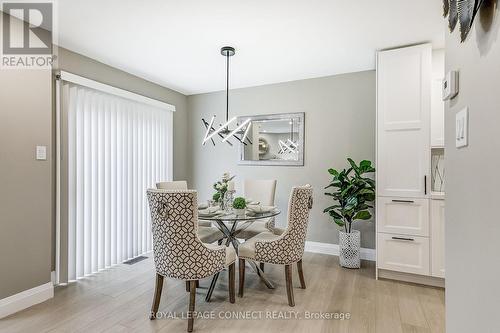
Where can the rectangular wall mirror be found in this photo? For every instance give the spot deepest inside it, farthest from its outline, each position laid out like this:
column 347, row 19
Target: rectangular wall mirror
column 276, row 139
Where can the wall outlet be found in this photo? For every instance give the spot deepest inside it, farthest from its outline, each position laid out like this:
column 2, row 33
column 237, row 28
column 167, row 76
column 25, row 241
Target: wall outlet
column 462, row 128
column 41, row 153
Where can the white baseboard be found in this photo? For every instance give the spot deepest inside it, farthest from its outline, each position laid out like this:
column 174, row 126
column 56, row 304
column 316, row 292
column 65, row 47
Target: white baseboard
column 333, row 249
column 25, row 299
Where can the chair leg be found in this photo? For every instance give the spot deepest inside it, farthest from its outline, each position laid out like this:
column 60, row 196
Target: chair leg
column 261, row 266
column 188, row 287
column 157, row 296
column 289, row 285
column 241, row 266
column 301, row 274
column 192, row 301
column 231, row 282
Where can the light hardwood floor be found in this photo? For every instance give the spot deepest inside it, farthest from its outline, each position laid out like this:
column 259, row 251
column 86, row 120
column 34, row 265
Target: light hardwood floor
column 119, row 300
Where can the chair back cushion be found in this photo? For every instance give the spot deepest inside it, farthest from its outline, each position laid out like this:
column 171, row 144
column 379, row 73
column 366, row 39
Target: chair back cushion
column 260, row 190
column 175, row 185
column 289, row 248
column 178, row 251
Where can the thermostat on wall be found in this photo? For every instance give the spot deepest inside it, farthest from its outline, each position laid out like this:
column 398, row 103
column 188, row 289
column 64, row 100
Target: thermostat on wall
column 450, row 85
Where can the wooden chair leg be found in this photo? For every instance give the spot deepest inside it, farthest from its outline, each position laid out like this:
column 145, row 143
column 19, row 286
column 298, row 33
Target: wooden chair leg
column 261, row 266
column 157, row 296
column 241, row 267
column 289, row 285
column 301, row 274
column 192, row 301
column 231, row 282
column 188, row 287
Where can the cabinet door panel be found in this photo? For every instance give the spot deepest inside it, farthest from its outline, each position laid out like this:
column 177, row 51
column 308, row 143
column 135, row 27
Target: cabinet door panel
column 403, row 121
column 407, row 216
column 403, row 253
column 437, row 234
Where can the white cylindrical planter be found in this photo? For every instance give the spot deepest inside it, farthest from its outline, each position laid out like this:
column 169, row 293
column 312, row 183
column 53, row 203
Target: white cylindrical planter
column 350, row 244
column 239, row 212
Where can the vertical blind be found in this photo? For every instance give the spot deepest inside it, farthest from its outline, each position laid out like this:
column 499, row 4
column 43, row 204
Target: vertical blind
column 117, row 148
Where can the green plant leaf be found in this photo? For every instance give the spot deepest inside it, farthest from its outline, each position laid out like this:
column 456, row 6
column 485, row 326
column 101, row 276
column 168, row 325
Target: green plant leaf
column 334, row 214
column 330, row 208
column 333, row 172
column 339, row 222
column 354, row 166
column 362, row 215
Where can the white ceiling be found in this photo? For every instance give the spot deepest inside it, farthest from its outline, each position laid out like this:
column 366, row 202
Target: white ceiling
column 176, row 43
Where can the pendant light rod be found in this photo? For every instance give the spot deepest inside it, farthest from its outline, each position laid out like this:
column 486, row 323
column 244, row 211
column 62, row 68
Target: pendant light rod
column 227, row 51
column 227, row 87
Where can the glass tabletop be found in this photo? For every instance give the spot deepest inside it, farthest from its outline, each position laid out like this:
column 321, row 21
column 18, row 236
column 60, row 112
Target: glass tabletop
column 230, row 216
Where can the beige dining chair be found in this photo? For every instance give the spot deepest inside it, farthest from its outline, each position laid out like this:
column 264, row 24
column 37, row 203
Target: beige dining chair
column 209, row 235
column 262, row 191
column 173, row 185
column 285, row 249
column 178, row 251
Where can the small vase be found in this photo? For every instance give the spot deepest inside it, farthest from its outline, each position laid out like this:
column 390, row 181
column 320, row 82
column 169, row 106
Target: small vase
column 239, row 212
column 350, row 244
column 222, row 201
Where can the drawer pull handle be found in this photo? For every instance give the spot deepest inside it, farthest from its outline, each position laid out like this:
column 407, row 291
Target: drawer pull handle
column 404, row 201
column 425, row 185
column 403, row 239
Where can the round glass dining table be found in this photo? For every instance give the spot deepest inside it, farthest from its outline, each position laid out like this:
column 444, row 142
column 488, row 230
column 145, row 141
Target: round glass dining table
column 231, row 224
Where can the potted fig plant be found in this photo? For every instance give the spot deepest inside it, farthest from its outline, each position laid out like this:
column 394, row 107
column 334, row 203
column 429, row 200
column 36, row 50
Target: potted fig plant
column 239, row 205
column 352, row 192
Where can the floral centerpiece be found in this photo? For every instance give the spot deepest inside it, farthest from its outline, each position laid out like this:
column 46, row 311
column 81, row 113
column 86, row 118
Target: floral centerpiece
column 222, row 187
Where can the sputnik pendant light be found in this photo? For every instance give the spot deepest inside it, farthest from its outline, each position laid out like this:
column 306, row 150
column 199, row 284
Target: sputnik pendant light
column 240, row 132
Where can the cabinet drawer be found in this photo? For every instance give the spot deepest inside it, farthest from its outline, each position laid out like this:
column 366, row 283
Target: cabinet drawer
column 403, row 253
column 403, row 216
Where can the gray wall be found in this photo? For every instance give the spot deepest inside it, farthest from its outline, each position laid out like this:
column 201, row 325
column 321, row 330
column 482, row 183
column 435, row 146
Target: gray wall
column 340, row 122
column 25, row 184
column 472, row 183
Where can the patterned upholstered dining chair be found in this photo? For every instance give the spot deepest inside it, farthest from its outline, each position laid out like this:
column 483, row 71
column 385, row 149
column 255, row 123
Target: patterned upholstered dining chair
column 207, row 235
column 178, row 251
column 284, row 249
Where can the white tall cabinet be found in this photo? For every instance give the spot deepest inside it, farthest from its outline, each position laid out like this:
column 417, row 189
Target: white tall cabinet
column 408, row 239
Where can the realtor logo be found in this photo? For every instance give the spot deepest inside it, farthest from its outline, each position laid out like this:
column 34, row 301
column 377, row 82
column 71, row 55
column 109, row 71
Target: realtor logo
column 27, row 36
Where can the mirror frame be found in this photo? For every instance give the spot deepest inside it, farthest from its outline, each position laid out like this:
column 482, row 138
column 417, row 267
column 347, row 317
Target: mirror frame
column 301, row 141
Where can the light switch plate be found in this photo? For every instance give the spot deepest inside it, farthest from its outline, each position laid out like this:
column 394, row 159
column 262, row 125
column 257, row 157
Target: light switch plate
column 41, row 153
column 462, row 128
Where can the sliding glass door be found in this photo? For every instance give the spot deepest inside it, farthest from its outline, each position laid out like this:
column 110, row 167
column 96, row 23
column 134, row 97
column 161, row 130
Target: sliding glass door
column 116, row 149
